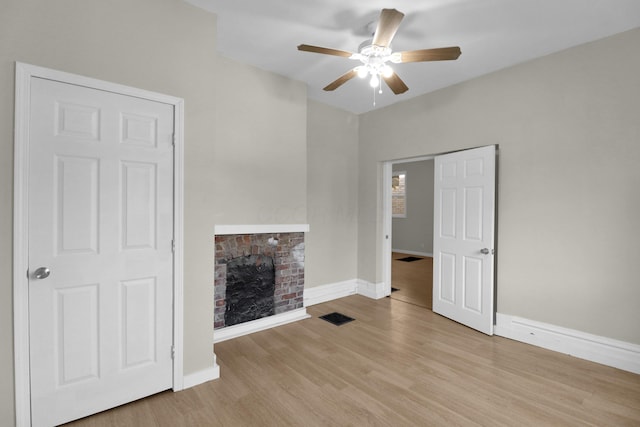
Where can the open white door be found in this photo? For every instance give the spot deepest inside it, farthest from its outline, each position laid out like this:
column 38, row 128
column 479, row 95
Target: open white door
column 100, row 250
column 463, row 238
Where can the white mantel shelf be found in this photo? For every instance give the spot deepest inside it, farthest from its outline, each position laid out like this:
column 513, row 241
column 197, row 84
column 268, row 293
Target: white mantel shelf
column 260, row 228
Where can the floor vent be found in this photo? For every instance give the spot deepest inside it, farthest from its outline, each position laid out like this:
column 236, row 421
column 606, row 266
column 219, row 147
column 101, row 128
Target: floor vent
column 409, row 259
column 337, row 318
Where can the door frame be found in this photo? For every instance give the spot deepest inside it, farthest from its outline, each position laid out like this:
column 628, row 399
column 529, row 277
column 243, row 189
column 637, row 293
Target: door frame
column 387, row 215
column 24, row 74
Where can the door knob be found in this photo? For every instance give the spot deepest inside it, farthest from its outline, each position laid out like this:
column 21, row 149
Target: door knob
column 484, row 251
column 41, row 273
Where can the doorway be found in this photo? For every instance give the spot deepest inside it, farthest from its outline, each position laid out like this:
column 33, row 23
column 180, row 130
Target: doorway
column 412, row 232
column 464, row 207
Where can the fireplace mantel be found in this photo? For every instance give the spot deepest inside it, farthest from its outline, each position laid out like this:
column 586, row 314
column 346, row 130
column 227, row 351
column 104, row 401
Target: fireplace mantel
column 220, row 230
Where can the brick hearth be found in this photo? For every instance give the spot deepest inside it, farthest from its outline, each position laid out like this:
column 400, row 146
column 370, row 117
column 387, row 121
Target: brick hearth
column 288, row 258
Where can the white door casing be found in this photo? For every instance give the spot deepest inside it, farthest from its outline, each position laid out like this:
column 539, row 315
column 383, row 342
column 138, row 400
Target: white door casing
column 463, row 245
column 98, row 187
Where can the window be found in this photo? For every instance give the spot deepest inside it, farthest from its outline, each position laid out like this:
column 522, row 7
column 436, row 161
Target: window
column 399, row 194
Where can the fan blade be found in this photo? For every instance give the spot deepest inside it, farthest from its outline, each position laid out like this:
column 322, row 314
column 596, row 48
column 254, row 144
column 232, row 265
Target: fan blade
column 324, row 50
column 341, row 80
column 396, row 84
column 387, row 27
column 439, row 54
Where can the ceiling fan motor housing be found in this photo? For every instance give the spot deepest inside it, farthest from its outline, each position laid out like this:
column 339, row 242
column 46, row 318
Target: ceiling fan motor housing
column 373, row 58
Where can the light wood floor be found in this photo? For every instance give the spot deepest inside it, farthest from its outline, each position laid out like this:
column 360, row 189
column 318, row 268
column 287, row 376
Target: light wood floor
column 396, row 365
column 414, row 280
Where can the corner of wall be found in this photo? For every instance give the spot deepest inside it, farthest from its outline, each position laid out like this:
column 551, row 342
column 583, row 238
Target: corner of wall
column 200, row 377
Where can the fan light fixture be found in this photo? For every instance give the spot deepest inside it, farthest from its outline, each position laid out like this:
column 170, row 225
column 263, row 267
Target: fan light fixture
column 374, row 63
column 375, row 53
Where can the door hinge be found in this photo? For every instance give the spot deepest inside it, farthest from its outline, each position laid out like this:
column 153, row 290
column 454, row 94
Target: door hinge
column 173, row 352
column 173, row 139
column 173, row 246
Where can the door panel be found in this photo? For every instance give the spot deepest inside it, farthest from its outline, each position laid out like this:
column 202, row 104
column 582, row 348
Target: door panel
column 448, row 218
column 138, row 320
column 101, row 219
column 139, row 205
column 472, row 283
column 75, row 181
column 76, row 334
column 447, row 276
column 463, row 227
column 472, row 209
column 77, row 121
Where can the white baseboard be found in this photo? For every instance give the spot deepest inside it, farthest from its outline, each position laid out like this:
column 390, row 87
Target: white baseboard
column 416, row 253
column 203, row 376
column 372, row 290
column 259, row 325
column 331, row 291
column 607, row 351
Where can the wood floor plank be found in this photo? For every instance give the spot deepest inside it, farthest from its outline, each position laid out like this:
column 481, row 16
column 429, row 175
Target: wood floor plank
column 397, row 364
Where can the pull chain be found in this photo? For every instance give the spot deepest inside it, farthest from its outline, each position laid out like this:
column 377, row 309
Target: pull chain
column 379, row 90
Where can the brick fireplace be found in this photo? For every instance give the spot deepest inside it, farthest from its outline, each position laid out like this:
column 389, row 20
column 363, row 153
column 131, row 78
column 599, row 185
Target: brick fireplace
column 245, row 264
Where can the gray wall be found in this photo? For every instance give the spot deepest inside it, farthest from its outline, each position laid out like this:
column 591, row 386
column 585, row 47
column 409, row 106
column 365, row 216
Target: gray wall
column 415, row 232
column 245, row 131
column 259, row 153
column 332, row 191
column 569, row 182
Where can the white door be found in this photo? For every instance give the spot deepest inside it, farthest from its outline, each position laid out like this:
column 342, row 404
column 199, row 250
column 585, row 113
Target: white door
column 101, row 224
column 463, row 238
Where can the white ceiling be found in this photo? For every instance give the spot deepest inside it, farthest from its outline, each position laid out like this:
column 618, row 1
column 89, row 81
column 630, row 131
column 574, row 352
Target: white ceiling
column 492, row 34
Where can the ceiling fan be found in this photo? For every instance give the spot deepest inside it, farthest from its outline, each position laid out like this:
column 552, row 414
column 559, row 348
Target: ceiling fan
column 375, row 53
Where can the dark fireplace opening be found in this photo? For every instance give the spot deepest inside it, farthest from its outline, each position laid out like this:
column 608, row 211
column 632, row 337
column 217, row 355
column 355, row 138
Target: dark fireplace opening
column 279, row 256
column 250, row 289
